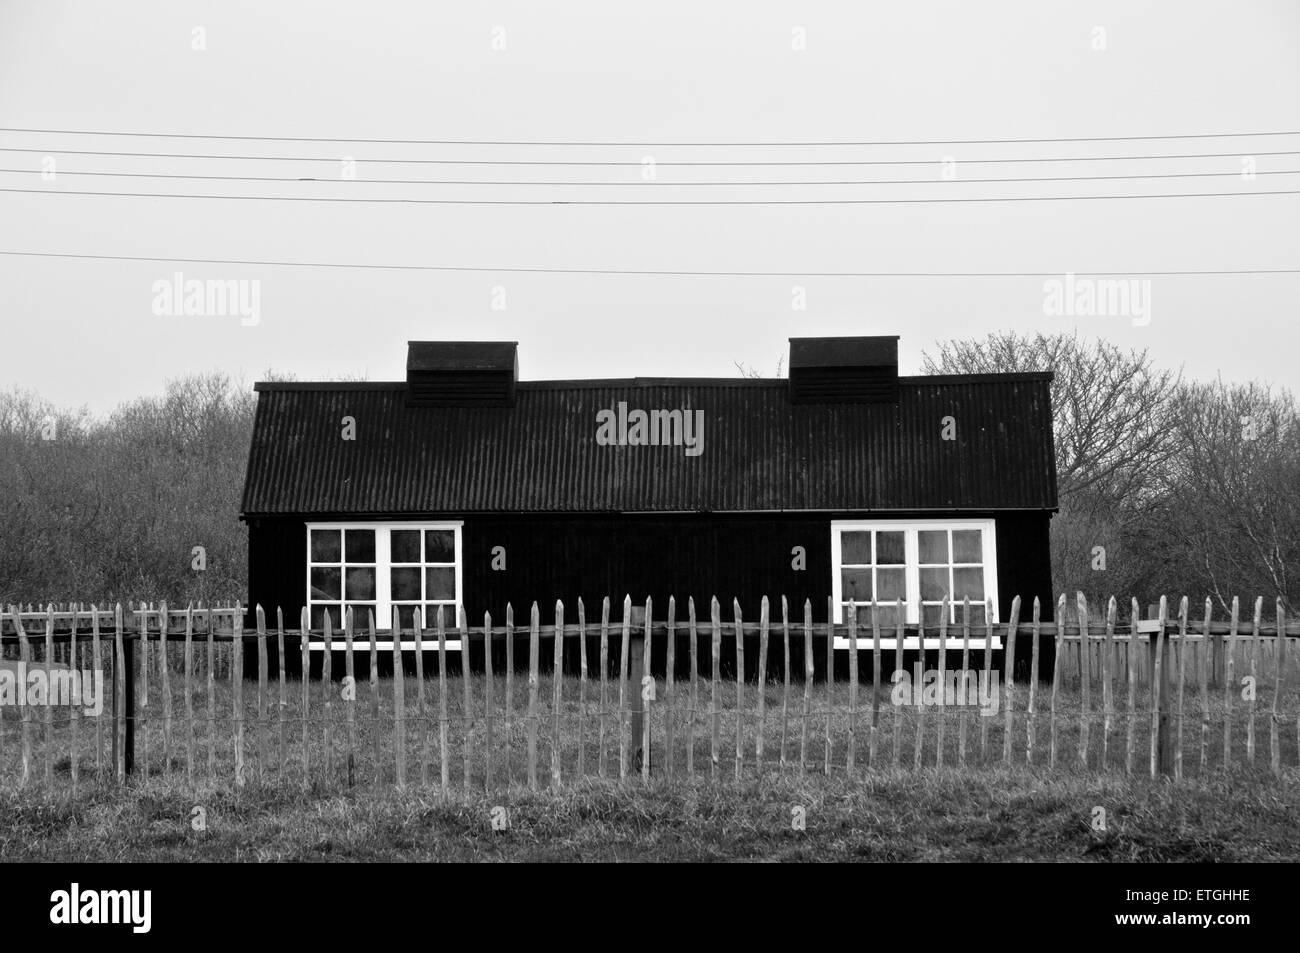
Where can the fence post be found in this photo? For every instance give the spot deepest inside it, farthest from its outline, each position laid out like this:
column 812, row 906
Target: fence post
column 633, row 669
column 399, row 705
column 1131, row 670
column 670, row 663
column 1107, row 689
column 50, row 707
column 418, row 621
column 763, row 610
column 1279, row 681
column 126, row 659
column 261, row 734
column 304, row 626
column 1229, row 676
column 604, row 686
column 1009, row 676
column 807, row 684
column 1060, row 650
column 1085, row 677
column 644, row 697
column 1205, row 689
column 1254, row 659
column 1161, row 753
column 237, row 693
column 740, row 686
column 557, row 695
column 468, row 721
column 1031, row 708
column 24, row 655
column 695, row 687
column 785, row 683
column 533, row 661
column 189, row 694
column 830, row 679
column 1182, row 680
column 715, row 634
column 851, row 756
column 510, row 687
column 582, row 683
column 487, row 701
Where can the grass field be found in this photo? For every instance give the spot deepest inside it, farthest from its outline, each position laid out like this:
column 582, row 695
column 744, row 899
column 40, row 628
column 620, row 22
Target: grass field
column 985, row 812
column 990, row 815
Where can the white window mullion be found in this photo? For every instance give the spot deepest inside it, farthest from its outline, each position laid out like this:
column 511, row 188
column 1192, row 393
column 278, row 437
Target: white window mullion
column 837, row 584
column 911, row 555
column 458, row 541
column 383, row 578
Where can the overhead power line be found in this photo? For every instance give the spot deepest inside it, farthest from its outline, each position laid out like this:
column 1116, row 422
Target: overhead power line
column 640, row 144
column 637, row 163
column 648, row 202
column 1185, row 273
column 654, row 182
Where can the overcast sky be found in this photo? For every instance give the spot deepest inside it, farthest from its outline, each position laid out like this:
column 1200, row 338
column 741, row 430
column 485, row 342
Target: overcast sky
column 85, row 332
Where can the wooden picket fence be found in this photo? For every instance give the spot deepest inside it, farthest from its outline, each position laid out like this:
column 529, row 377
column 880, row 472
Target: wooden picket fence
column 1126, row 706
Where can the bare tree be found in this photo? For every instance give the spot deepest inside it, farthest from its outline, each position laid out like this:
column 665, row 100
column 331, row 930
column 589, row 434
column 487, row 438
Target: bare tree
column 1233, row 516
column 1114, row 440
column 1110, row 408
column 753, row 373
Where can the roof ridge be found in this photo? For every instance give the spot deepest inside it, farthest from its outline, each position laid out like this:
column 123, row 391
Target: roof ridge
column 920, row 380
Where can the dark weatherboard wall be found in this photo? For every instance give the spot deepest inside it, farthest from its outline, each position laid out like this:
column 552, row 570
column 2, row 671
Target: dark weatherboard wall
column 549, row 557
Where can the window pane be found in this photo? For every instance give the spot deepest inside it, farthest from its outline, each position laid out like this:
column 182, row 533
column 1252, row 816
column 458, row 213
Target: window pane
column 855, row 549
column 361, row 617
column 967, row 546
column 325, row 545
column 891, row 584
column 405, row 545
column 439, row 546
column 359, row 545
column 889, row 548
column 968, row 582
column 318, row 616
column 440, row 583
column 931, row 614
column 406, row 615
column 887, row 614
column 934, row 583
column 326, row 583
column 976, row 614
column 431, row 613
column 932, row 545
column 360, row 582
column 405, row 584
column 855, row 585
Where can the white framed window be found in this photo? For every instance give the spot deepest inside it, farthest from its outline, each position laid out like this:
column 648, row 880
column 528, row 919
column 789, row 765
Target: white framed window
column 376, row 567
column 919, row 561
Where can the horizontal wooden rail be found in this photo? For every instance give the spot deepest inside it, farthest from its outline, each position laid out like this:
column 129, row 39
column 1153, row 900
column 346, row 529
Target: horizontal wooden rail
column 1122, row 632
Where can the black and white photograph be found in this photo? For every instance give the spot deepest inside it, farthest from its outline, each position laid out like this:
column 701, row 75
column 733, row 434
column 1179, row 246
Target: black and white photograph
column 676, row 433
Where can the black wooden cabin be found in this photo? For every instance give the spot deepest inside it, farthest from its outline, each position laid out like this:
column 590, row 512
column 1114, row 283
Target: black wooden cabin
column 463, row 485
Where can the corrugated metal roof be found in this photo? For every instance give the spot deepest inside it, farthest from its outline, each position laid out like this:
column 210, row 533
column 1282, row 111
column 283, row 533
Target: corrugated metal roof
column 761, row 453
